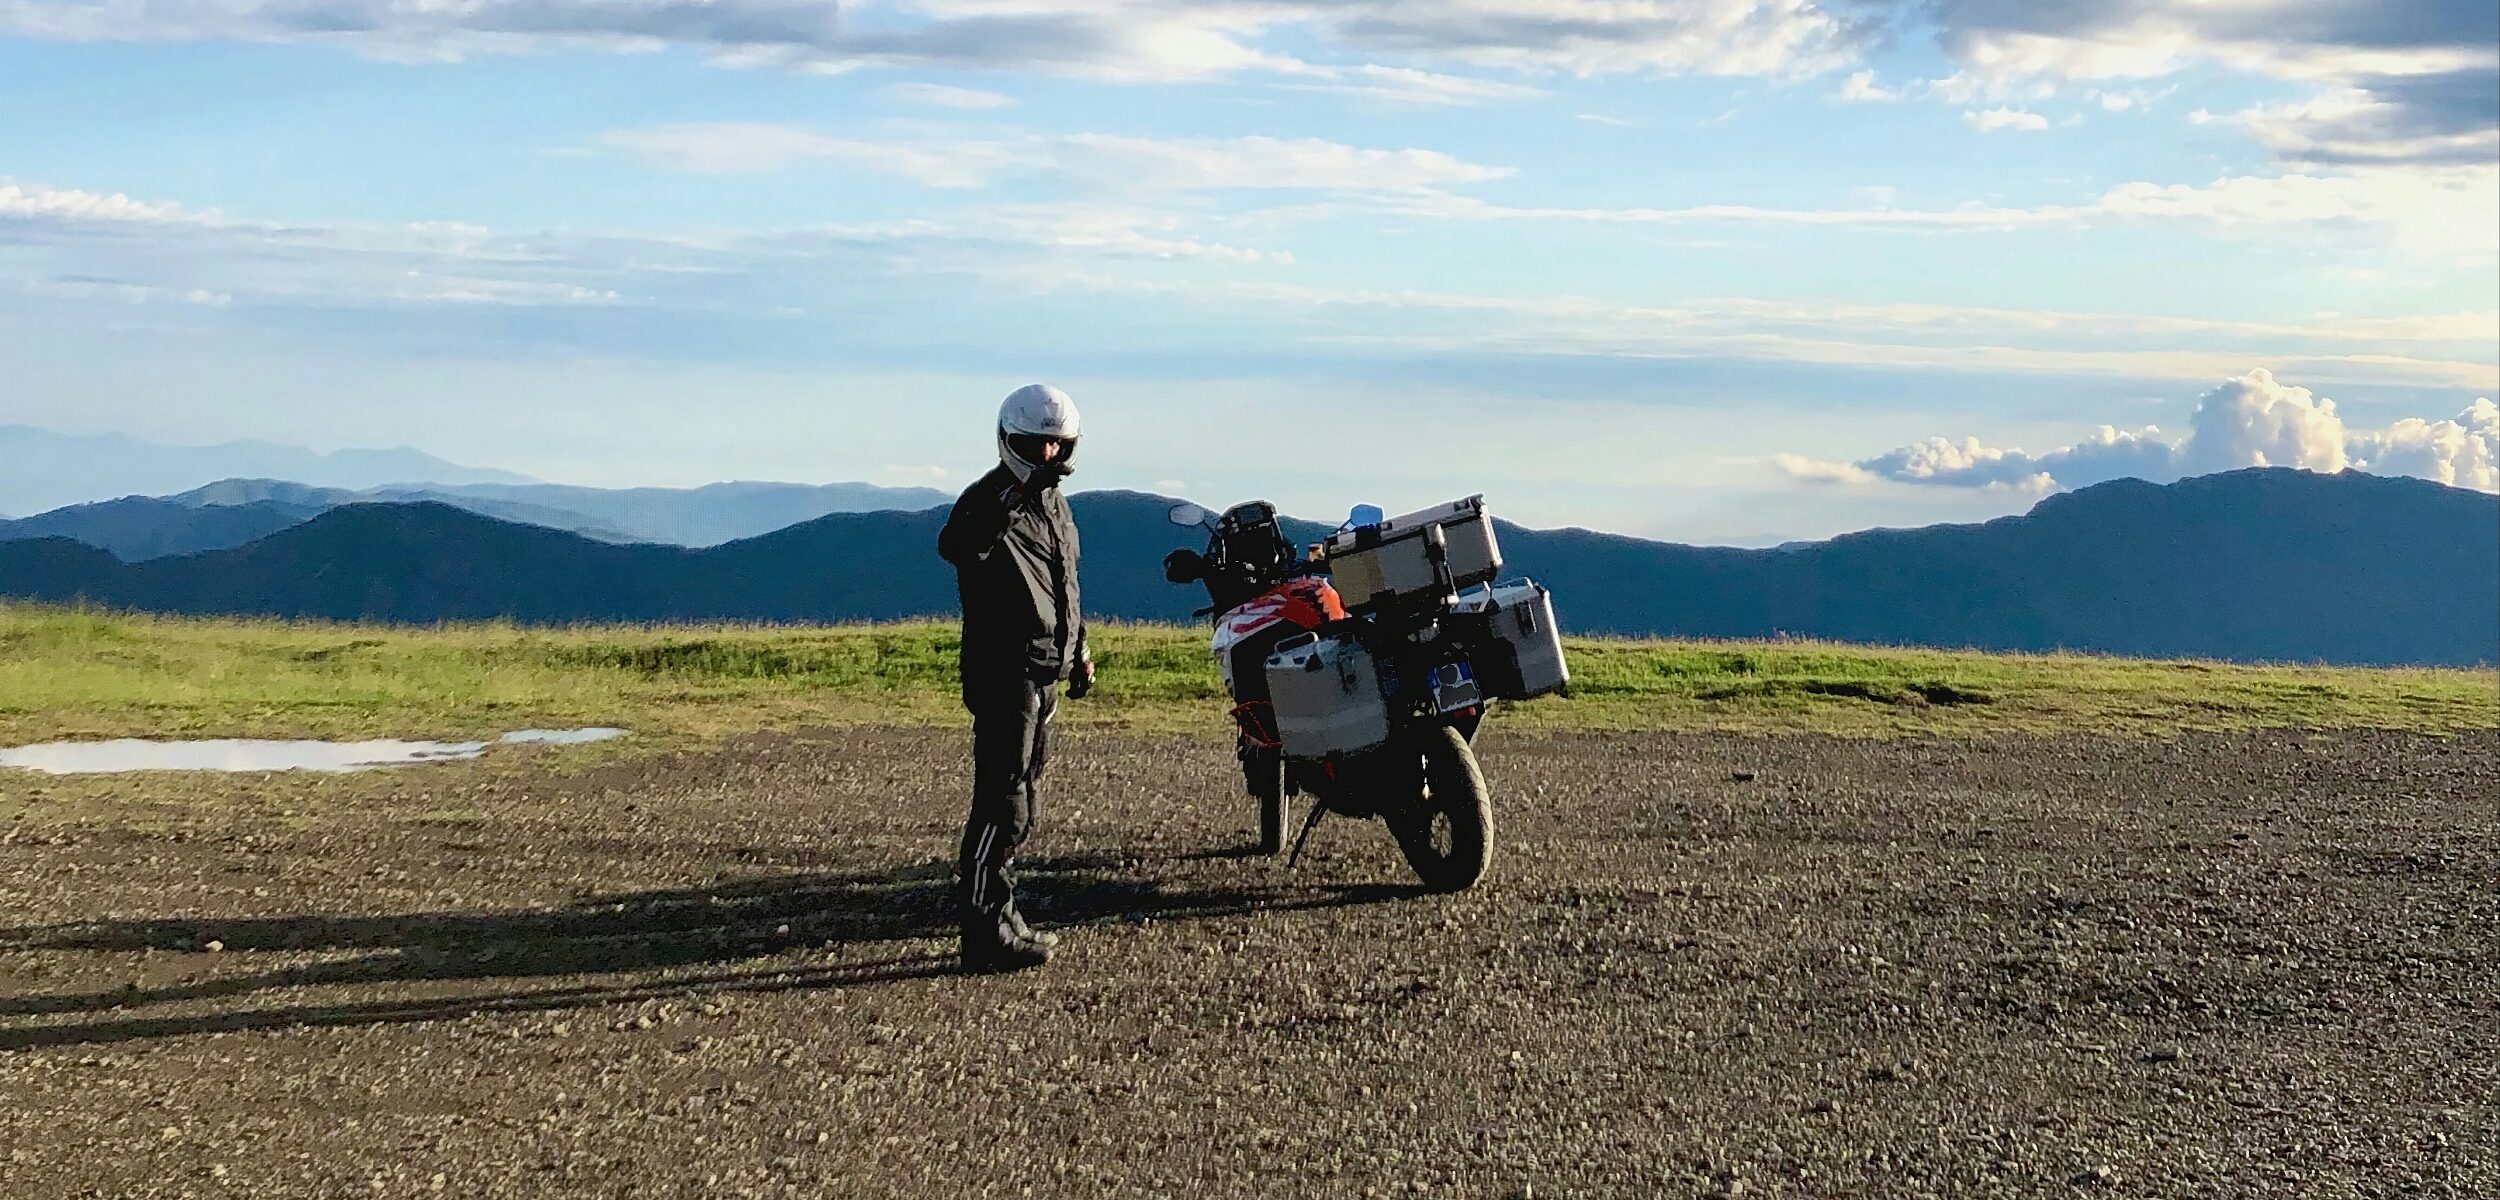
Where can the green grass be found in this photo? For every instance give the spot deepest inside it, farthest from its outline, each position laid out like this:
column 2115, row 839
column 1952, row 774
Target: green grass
column 68, row 673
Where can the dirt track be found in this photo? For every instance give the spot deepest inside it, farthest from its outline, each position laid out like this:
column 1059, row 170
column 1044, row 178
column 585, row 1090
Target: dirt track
column 2263, row 965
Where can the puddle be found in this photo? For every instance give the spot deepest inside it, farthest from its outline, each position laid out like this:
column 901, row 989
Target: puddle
column 247, row 754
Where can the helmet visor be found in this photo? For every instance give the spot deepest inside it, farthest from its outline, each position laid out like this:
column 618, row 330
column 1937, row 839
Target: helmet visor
column 1038, row 448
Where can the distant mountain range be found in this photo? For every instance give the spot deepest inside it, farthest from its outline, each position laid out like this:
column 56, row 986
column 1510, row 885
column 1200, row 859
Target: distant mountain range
column 47, row 470
column 231, row 512
column 2261, row 564
column 701, row 516
column 135, row 528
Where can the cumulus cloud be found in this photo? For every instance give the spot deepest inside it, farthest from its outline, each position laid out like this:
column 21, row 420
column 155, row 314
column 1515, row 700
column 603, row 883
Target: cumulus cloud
column 2462, row 452
column 2110, row 453
column 2253, row 420
column 1133, row 163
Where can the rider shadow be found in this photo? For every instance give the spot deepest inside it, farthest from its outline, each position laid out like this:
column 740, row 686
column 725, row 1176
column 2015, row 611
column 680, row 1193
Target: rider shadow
column 665, row 930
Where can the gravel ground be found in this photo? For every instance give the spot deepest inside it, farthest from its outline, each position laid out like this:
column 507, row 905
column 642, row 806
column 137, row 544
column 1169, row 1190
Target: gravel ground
column 2237, row 966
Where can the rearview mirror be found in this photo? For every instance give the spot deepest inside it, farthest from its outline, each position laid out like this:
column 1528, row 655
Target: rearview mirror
column 1184, row 566
column 1188, row 514
column 1363, row 515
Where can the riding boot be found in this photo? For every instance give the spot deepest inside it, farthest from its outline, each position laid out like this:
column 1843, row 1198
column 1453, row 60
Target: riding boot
column 990, row 945
column 1016, row 922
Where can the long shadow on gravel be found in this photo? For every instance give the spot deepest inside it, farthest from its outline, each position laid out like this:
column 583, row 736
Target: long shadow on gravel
column 642, row 931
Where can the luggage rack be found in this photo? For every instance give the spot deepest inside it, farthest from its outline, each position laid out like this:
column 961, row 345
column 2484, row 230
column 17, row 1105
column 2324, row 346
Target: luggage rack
column 1415, row 561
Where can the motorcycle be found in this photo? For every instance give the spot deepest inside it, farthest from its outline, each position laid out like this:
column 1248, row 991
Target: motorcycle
column 1384, row 701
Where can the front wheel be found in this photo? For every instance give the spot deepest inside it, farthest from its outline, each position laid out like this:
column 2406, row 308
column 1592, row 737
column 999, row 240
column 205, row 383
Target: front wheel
column 1447, row 833
column 1263, row 773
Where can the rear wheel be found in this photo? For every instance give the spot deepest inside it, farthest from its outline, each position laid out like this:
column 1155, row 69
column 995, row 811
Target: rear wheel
column 1447, row 833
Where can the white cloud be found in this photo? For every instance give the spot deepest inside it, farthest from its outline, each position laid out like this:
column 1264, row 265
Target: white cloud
column 1266, row 162
column 939, row 95
column 2358, row 126
column 2128, row 99
column 739, row 147
column 2252, row 420
column 2436, row 211
column 1134, row 247
column 1603, row 119
column 2378, row 351
column 1112, row 160
column 1107, row 39
column 90, row 245
column 2461, row 452
column 2440, row 213
column 27, row 202
column 1993, row 325
column 1995, row 119
column 1596, row 37
column 2005, row 45
column 72, row 245
column 1094, row 231
column 1409, row 86
column 1814, row 470
column 1861, row 88
column 2402, row 81
column 77, row 288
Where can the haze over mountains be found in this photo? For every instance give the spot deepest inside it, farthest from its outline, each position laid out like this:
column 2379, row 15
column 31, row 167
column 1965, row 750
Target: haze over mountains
column 231, row 512
column 47, row 470
column 2273, row 564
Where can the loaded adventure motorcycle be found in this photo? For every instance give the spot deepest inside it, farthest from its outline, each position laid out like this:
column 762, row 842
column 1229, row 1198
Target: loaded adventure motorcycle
column 1360, row 671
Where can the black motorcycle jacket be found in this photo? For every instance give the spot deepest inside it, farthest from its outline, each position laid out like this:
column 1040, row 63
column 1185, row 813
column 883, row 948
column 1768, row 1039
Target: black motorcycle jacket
column 1014, row 549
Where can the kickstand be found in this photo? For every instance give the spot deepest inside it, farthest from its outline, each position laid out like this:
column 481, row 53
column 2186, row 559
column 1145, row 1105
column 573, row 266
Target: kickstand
column 1308, row 824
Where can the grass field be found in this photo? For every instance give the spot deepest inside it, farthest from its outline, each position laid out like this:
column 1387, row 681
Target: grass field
column 82, row 674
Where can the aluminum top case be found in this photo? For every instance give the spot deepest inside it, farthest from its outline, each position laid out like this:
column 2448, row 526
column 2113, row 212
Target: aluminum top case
column 1382, row 565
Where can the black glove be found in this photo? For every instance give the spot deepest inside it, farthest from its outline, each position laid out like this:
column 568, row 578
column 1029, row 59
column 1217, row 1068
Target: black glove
column 1081, row 680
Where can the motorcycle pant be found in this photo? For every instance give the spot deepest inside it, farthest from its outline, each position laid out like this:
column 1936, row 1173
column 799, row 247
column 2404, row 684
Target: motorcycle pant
column 1010, row 747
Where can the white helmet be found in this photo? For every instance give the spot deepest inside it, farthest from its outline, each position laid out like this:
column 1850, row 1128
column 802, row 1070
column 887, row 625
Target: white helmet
column 1032, row 412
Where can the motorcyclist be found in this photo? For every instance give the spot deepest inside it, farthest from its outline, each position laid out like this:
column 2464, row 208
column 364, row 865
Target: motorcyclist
column 1013, row 544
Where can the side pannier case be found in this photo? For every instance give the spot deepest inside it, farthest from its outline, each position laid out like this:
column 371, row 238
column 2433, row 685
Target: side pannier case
column 1327, row 696
column 1518, row 651
column 1382, row 565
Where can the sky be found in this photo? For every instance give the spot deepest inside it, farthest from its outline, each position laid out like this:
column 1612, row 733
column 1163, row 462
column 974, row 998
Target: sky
column 1733, row 271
